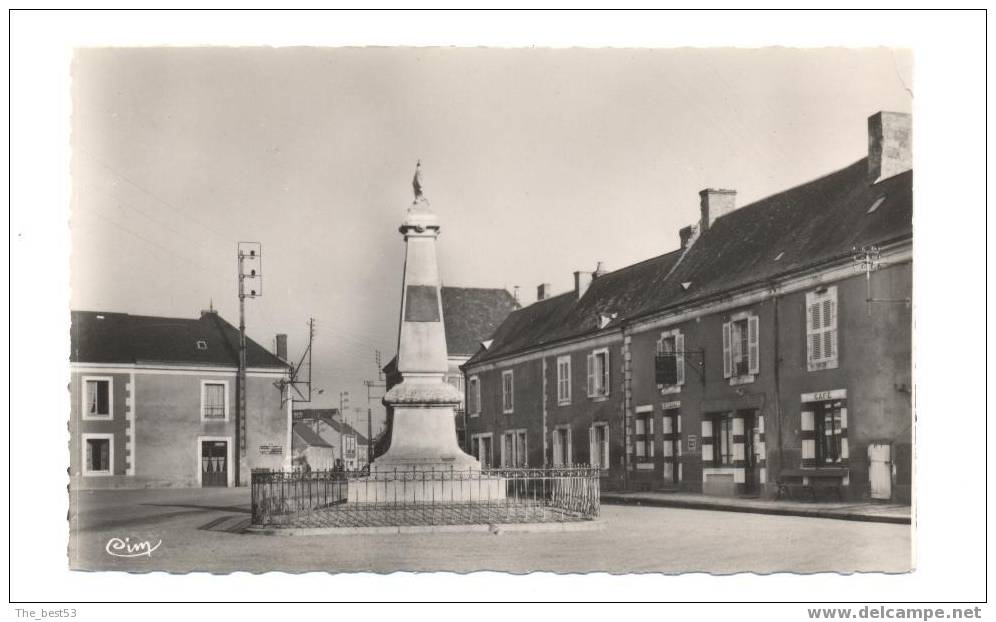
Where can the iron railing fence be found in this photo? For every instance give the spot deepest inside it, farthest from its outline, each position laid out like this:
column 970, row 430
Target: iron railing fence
column 433, row 496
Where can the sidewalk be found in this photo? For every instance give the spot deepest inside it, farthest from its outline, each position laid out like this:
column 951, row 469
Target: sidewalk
column 869, row 512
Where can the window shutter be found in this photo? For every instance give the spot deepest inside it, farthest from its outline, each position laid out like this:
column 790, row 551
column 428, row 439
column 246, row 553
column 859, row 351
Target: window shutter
column 591, row 375
column 832, row 324
column 605, row 374
column 592, row 450
column 679, row 359
column 752, row 342
column 727, row 362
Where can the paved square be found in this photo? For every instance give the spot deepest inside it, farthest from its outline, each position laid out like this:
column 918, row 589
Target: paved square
column 199, row 530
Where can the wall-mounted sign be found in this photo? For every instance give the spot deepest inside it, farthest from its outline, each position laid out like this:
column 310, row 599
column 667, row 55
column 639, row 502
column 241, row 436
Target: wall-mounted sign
column 271, row 450
column 671, row 405
column 822, row 396
column 693, row 442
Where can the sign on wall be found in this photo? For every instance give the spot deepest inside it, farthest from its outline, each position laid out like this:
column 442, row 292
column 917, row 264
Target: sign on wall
column 693, row 442
column 271, row 450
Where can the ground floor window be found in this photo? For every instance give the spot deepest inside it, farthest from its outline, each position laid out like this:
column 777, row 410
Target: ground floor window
column 513, row 450
column 829, row 433
column 562, row 447
column 599, row 445
column 722, row 441
column 644, row 436
column 480, row 447
column 97, row 454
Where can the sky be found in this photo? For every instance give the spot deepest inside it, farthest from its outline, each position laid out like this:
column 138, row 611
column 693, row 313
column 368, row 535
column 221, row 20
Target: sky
column 538, row 163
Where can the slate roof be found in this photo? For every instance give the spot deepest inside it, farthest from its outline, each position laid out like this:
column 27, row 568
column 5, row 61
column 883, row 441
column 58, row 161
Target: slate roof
column 471, row 315
column 812, row 224
column 103, row 337
column 309, row 437
column 563, row 316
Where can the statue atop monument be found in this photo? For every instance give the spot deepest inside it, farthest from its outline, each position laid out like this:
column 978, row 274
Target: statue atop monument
column 417, row 185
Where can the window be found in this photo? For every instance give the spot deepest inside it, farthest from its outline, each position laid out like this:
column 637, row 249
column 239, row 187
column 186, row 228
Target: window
column 98, row 454
column 598, row 436
column 507, row 404
column 598, row 373
column 457, row 382
column 670, row 363
column 562, row 446
column 513, row 449
column 480, row 447
column 644, row 436
column 97, row 398
column 722, row 439
column 564, row 380
column 740, row 351
column 821, row 329
column 214, row 400
column 828, row 423
column 474, row 396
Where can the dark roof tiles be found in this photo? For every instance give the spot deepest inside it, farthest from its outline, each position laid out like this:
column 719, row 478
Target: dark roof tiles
column 102, row 337
column 812, row 224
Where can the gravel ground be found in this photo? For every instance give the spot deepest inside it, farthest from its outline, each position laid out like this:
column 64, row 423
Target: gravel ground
column 198, row 531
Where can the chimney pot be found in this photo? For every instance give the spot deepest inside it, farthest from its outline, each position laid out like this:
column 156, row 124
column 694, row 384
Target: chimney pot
column 599, row 270
column 890, row 145
column 715, row 203
column 543, row 291
column 282, row 347
column 581, row 282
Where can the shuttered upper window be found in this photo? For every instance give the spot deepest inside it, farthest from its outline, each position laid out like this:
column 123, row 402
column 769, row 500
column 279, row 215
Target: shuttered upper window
column 669, row 371
column 507, row 387
column 474, row 396
column 821, row 329
column 740, row 348
column 564, row 380
column 598, row 373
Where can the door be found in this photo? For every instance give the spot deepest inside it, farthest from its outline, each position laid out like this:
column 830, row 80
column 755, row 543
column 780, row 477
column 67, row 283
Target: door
column 669, row 423
column 214, row 463
column 751, row 436
column 880, row 470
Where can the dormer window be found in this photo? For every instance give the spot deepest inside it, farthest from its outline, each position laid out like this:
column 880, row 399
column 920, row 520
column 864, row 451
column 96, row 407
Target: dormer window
column 874, row 206
column 202, row 345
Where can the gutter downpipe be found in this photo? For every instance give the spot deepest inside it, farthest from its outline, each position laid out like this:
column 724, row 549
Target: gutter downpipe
column 776, row 297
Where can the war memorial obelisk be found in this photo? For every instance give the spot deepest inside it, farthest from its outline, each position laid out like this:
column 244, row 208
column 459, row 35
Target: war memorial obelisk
column 423, row 433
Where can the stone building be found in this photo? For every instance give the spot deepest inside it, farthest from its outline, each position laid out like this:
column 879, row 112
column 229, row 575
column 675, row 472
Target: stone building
column 153, row 402
column 774, row 344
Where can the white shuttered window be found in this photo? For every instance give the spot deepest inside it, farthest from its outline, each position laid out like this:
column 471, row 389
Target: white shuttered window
column 821, row 329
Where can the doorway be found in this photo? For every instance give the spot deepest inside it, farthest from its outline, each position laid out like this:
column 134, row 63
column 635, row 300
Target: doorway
column 880, row 470
column 671, row 447
column 214, row 463
column 752, row 435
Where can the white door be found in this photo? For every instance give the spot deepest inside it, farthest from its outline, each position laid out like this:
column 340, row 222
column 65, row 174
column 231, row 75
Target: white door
column 880, row 470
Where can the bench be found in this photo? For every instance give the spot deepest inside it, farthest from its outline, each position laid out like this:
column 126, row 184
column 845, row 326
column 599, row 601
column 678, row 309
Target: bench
column 811, row 482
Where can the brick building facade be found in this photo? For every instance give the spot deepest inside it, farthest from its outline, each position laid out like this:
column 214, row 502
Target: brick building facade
column 773, row 345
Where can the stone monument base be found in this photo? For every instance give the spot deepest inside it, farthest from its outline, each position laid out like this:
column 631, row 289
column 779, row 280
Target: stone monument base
column 427, row 487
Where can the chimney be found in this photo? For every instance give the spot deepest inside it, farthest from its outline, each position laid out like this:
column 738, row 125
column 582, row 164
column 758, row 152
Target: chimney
column 687, row 235
column 715, row 203
column 599, row 270
column 543, row 291
column 282, row 347
column 890, row 145
column 581, row 282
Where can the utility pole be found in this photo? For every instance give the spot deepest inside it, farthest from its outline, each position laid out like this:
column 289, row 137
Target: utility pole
column 250, row 286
